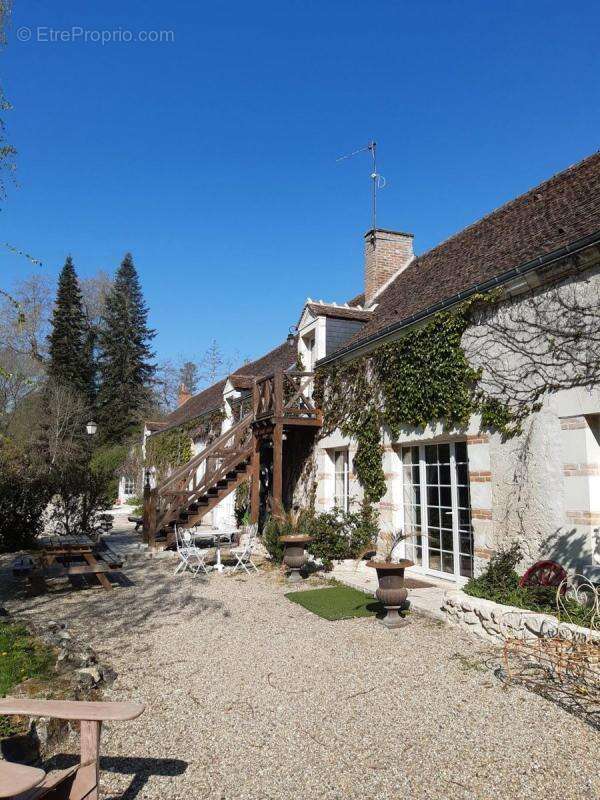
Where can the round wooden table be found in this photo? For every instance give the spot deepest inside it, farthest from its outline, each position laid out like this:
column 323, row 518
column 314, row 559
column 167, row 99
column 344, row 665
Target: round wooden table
column 16, row 778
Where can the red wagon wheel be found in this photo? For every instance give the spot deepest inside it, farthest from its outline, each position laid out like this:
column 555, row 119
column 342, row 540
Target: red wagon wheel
column 544, row 573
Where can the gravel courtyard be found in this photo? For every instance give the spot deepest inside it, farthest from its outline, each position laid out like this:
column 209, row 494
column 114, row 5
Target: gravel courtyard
column 251, row 696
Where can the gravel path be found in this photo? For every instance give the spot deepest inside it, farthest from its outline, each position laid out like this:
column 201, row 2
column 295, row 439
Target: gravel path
column 251, row 697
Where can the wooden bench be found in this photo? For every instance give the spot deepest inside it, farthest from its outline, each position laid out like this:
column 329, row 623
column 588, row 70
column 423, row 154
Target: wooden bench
column 76, row 783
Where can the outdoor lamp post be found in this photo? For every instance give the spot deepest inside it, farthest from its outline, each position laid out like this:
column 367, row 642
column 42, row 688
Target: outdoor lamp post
column 91, row 427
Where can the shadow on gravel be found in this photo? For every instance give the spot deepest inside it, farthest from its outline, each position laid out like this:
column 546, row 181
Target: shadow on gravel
column 141, row 768
column 155, row 597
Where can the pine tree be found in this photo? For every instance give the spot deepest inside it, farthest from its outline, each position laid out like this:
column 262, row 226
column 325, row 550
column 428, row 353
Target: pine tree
column 125, row 358
column 69, row 362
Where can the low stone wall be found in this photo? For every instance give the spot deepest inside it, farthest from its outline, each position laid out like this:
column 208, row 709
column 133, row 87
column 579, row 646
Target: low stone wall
column 496, row 623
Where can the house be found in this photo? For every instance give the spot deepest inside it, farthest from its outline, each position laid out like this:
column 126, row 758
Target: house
column 459, row 490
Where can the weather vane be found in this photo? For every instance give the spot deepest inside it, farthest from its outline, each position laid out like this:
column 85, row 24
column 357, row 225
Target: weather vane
column 377, row 180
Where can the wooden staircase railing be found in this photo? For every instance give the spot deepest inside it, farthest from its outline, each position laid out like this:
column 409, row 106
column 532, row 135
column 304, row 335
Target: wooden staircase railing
column 196, row 487
column 194, row 480
column 285, row 395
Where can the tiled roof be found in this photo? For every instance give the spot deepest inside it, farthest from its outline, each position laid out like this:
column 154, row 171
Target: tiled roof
column 359, row 300
column 339, row 312
column 207, row 400
column 282, row 357
column 559, row 211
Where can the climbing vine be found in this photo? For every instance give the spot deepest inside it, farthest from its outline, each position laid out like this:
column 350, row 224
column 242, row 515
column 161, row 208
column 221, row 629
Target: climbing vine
column 173, row 448
column 422, row 377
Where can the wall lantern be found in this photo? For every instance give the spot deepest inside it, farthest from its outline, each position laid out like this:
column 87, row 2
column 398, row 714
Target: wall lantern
column 291, row 337
column 91, row 427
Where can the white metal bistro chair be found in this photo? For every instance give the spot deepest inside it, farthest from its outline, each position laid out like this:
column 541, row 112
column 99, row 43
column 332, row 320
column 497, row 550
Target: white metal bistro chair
column 243, row 553
column 191, row 557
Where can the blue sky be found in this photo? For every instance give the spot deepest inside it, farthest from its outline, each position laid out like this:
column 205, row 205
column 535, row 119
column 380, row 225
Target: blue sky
column 213, row 157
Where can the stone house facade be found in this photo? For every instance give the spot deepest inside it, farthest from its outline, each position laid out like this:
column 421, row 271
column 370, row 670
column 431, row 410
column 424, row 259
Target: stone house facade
column 462, row 493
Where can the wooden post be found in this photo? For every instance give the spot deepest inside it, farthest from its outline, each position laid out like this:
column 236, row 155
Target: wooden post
column 150, row 500
column 255, row 481
column 86, row 781
column 277, row 468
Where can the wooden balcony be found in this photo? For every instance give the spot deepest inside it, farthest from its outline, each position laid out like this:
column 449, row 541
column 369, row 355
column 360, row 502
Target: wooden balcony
column 285, row 398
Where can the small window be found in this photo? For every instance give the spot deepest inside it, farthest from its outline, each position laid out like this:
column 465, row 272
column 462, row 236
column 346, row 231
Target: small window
column 128, row 487
column 341, row 479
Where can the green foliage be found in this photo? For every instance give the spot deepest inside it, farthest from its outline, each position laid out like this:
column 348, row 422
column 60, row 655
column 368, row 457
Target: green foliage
column 500, row 583
column 70, row 358
column 24, row 494
column 336, row 602
column 125, row 357
column 368, row 458
column 341, row 534
column 169, row 449
column 137, row 506
column 21, row 657
column 106, row 464
column 242, row 504
column 423, row 377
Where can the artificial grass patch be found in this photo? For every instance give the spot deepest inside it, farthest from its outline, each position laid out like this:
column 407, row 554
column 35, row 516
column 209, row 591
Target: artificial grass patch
column 21, row 657
column 337, row 602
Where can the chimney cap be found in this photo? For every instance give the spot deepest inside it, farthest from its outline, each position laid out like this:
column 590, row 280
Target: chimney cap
column 374, row 231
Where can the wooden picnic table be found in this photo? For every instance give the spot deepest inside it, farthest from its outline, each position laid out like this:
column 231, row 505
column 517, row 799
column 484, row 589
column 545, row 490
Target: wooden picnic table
column 61, row 557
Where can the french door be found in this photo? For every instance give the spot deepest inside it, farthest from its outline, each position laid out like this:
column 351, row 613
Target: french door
column 437, row 508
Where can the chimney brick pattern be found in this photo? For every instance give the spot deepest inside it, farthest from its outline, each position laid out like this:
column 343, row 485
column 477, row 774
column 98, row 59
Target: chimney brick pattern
column 386, row 254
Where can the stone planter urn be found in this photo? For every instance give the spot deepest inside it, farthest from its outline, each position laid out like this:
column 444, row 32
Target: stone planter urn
column 294, row 554
column 391, row 592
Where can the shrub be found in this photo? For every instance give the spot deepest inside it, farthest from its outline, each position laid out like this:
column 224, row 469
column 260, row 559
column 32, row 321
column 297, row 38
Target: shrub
column 342, row 534
column 24, row 494
column 500, row 583
column 106, row 464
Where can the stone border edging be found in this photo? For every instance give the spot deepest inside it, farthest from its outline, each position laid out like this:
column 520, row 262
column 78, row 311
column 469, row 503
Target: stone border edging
column 495, row 622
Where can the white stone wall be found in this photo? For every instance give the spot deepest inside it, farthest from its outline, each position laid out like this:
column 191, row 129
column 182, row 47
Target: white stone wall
column 496, row 623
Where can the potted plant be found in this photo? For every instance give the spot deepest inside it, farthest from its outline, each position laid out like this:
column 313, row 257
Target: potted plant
column 294, row 544
column 390, row 576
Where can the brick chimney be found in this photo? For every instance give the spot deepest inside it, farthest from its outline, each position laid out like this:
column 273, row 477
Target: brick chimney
column 386, row 254
column 184, row 394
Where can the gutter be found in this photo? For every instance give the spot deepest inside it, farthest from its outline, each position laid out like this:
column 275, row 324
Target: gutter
column 500, row 280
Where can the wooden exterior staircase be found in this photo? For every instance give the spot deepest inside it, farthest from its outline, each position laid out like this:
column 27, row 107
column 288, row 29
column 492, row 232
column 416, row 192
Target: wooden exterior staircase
column 194, row 489
column 281, row 400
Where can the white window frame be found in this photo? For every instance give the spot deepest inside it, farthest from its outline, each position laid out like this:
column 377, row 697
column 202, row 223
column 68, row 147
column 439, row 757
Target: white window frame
column 345, row 476
column 126, row 482
column 424, row 567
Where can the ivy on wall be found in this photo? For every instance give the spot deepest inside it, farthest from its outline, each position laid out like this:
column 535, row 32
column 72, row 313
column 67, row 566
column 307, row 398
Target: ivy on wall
column 171, row 449
column 423, row 377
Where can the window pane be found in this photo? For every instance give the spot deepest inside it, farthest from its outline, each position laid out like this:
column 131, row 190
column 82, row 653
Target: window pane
column 433, row 496
column 466, row 542
column 445, row 474
column 431, row 454
column 462, row 474
column 433, row 516
column 434, row 539
column 446, row 496
column 444, row 454
column 448, row 563
column 460, row 451
column 466, row 566
column 435, row 561
column 432, row 474
column 447, row 541
column 463, row 496
column 464, row 519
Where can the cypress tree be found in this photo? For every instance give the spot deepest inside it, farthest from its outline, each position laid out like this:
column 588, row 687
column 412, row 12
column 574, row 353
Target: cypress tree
column 69, row 358
column 125, row 359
